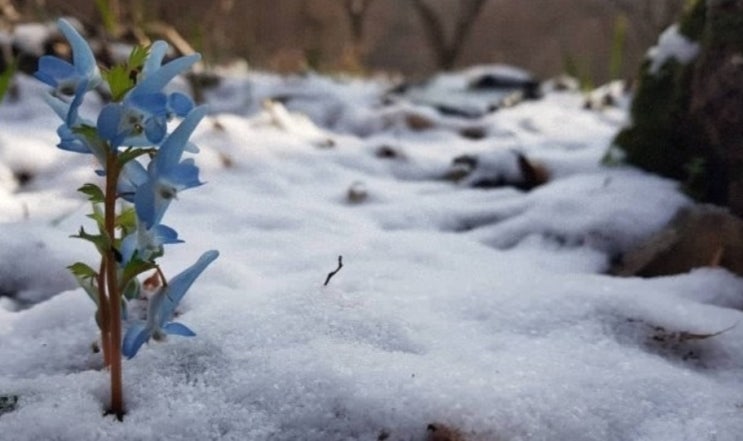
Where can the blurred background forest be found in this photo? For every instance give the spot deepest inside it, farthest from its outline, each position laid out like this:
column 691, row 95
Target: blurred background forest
column 593, row 39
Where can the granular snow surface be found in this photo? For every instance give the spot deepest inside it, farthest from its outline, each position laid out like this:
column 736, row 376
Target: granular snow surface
column 487, row 310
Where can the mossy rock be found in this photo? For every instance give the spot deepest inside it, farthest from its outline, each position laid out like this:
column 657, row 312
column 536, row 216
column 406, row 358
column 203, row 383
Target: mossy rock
column 687, row 119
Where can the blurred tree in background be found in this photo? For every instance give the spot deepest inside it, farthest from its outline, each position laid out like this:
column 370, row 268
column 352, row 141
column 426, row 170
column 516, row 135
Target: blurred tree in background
column 413, row 37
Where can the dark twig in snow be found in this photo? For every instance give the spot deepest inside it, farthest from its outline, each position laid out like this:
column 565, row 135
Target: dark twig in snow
column 331, row 274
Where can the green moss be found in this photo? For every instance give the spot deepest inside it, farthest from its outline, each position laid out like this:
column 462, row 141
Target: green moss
column 662, row 138
column 655, row 141
column 693, row 20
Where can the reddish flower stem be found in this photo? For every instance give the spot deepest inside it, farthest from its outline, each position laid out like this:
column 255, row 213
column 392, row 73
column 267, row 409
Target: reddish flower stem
column 114, row 296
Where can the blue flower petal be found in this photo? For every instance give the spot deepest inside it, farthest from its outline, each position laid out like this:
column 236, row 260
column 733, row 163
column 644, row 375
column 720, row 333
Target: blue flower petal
column 109, row 120
column 137, row 335
column 163, row 234
column 72, row 114
column 175, row 328
column 70, row 142
column 154, row 82
column 155, row 129
column 53, row 69
column 177, row 286
column 82, row 55
column 180, row 103
column 144, row 204
column 155, row 58
column 152, row 103
column 132, row 175
column 172, row 148
column 184, row 175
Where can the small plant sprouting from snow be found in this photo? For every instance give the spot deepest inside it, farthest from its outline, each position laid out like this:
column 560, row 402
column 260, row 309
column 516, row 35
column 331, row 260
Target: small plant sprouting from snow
column 130, row 239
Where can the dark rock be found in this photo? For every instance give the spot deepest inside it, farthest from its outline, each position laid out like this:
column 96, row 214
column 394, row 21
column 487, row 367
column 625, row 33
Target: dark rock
column 474, row 133
column 699, row 236
column 531, row 88
column 461, row 167
column 388, row 152
column 498, row 170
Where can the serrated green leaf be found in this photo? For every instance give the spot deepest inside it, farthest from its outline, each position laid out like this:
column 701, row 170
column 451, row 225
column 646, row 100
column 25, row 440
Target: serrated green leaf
column 137, row 57
column 119, row 81
column 93, row 192
column 81, row 270
column 123, row 77
column 127, row 220
column 100, row 241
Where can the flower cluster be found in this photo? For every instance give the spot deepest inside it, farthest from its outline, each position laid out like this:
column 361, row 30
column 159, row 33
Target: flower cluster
column 144, row 170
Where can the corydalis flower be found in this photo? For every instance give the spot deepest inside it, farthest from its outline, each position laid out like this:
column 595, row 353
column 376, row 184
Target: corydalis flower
column 162, row 307
column 147, row 243
column 141, row 118
column 62, row 75
column 167, row 174
column 70, row 79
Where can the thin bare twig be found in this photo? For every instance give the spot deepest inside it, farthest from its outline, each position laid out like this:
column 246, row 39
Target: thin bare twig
column 331, row 274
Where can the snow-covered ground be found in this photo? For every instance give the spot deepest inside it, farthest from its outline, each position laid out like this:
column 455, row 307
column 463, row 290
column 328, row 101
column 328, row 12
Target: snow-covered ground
column 482, row 309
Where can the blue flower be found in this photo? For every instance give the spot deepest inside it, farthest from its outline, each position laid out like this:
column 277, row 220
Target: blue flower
column 131, row 177
column 70, row 79
column 167, row 174
column 70, row 137
column 141, row 118
column 147, row 243
column 162, row 308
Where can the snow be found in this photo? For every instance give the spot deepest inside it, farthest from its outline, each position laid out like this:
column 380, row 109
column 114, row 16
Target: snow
column 485, row 310
column 672, row 45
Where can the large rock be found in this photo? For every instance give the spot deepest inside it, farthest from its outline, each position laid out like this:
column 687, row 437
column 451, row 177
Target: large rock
column 687, row 114
column 717, row 99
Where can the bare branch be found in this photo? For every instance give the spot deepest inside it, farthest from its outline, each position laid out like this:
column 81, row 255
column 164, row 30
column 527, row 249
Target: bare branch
column 446, row 52
column 332, row 273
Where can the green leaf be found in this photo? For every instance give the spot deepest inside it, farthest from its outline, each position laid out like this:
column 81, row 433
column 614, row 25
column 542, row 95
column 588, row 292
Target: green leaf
column 137, row 57
column 100, row 241
column 127, row 220
column 98, row 217
column 123, row 77
column 119, row 81
column 87, row 278
column 83, row 271
column 89, row 132
column 93, row 192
